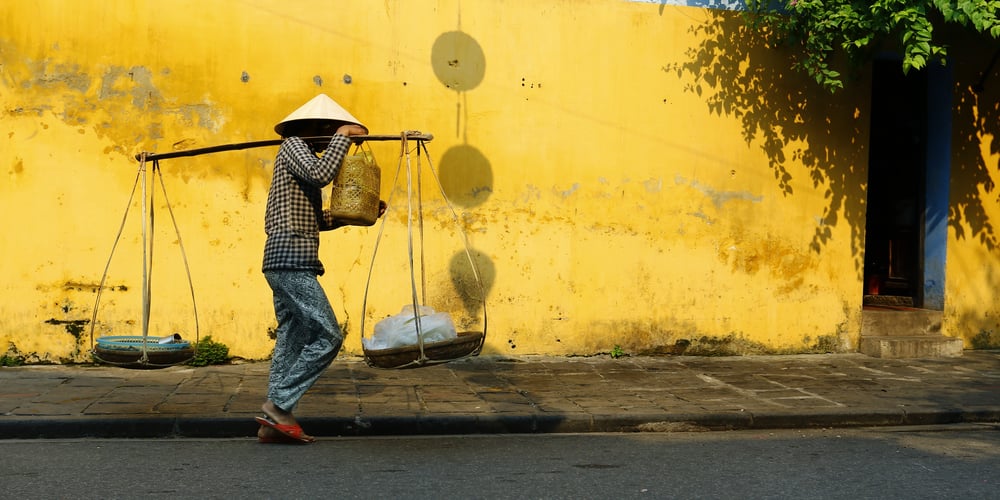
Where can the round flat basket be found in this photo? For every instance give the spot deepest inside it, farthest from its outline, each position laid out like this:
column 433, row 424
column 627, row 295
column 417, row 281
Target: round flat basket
column 126, row 350
column 466, row 344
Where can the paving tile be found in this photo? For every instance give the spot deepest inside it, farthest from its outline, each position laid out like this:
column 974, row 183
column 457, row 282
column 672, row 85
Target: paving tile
column 50, row 409
column 119, row 408
column 474, row 407
column 391, row 409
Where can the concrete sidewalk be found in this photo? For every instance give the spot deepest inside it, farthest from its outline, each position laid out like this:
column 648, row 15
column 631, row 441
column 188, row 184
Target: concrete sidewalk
column 510, row 395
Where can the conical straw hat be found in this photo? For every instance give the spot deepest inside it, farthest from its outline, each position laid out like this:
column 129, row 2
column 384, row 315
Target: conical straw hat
column 320, row 107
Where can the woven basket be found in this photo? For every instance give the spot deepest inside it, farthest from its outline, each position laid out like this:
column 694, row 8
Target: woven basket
column 354, row 193
column 466, row 344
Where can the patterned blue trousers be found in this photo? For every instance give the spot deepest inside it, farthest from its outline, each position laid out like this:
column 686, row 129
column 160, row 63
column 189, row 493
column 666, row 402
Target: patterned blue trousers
column 308, row 336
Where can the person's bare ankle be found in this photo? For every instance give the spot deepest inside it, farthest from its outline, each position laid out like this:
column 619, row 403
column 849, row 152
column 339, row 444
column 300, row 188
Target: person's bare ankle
column 277, row 414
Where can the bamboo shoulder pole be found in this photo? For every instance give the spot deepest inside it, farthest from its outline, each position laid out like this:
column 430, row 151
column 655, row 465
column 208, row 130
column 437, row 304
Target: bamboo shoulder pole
column 357, row 139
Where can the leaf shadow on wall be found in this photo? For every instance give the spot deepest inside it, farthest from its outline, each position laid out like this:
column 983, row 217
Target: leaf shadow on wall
column 788, row 116
column 976, row 122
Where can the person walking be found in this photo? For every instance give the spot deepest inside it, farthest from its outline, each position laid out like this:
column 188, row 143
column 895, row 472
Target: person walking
column 308, row 336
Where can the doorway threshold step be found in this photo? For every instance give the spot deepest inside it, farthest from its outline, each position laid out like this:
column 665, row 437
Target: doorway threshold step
column 888, row 322
column 888, row 300
column 909, row 347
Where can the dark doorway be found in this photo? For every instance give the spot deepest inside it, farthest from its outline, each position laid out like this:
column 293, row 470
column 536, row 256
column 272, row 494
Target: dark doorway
column 896, row 179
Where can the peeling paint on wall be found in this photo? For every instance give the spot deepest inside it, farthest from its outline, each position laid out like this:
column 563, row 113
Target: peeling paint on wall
column 719, row 198
column 569, row 192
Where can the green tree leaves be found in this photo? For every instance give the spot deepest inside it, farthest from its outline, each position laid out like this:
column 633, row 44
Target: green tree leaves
column 822, row 29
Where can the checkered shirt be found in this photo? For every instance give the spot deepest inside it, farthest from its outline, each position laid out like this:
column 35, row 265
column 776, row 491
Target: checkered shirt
column 294, row 211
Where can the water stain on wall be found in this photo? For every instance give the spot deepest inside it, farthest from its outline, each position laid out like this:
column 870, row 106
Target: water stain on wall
column 719, row 198
column 750, row 254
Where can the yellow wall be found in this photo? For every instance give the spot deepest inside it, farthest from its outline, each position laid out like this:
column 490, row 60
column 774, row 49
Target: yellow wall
column 973, row 277
column 613, row 184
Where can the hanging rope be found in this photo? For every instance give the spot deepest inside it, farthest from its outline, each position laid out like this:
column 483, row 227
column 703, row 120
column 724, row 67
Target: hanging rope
column 180, row 244
column 114, row 246
column 148, row 226
column 409, row 243
column 465, row 236
column 403, row 155
column 465, row 347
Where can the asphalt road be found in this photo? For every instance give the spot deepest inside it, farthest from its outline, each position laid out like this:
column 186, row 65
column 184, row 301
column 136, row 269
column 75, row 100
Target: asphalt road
column 912, row 463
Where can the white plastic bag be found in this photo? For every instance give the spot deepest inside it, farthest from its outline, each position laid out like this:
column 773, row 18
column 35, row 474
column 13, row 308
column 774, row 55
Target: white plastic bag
column 401, row 329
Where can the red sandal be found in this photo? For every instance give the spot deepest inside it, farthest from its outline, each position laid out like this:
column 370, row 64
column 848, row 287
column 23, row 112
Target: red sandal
column 291, row 431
